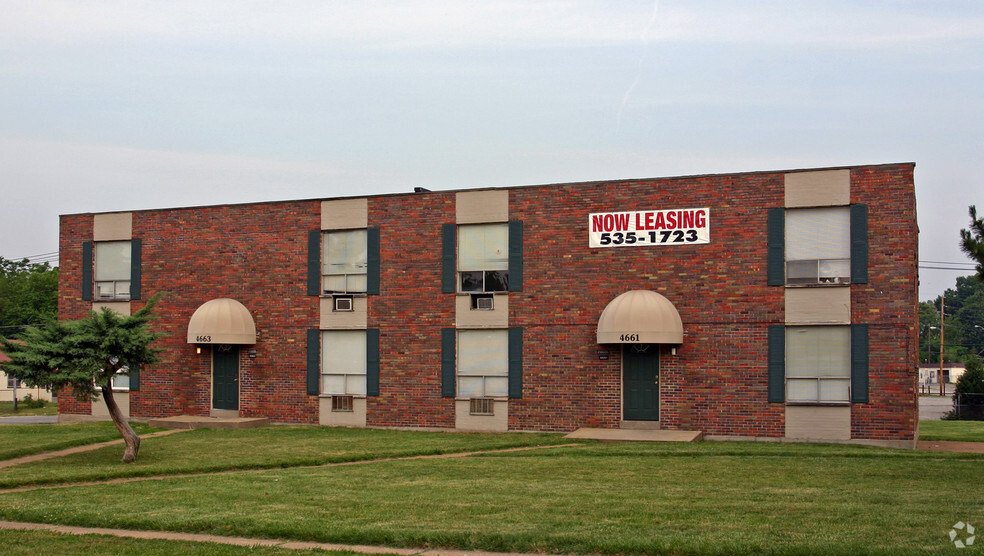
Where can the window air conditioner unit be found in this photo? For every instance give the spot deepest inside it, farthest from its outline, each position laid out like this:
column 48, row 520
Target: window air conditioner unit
column 484, row 302
column 343, row 304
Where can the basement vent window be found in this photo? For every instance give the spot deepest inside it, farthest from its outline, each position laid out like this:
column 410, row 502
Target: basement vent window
column 481, row 406
column 341, row 403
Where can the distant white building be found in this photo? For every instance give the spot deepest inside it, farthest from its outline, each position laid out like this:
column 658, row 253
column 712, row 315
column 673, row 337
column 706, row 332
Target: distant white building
column 929, row 373
column 7, row 388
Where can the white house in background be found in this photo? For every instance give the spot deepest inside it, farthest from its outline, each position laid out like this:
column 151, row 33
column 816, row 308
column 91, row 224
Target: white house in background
column 7, row 388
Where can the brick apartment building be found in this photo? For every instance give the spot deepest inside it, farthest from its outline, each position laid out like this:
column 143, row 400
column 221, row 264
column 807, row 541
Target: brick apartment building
column 760, row 304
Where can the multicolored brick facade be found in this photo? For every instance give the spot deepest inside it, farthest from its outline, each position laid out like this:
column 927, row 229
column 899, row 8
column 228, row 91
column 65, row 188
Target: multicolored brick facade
column 716, row 381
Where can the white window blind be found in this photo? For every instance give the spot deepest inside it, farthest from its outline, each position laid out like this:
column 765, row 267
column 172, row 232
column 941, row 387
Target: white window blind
column 344, row 261
column 483, row 363
column 818, row 245
column 818, row 363
column 483, row 247
column 343, row 362
column 121, row 382
column 483, row 258
column 112, row 269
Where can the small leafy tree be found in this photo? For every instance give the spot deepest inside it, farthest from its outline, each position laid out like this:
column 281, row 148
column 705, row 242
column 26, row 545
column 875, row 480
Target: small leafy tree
column 972, row 241
column 84, row 355
column 971, row 382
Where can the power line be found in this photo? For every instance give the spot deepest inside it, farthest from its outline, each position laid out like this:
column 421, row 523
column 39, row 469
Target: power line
column 50, row 257
column 958, row 269
column 946, row 262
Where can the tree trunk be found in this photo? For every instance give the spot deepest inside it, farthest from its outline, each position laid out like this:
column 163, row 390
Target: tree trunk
column 130, row 437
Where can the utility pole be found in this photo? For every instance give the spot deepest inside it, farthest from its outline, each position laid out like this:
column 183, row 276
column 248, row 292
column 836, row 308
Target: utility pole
column 942, row 303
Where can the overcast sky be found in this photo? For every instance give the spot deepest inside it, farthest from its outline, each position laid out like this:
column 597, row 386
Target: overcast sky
column 132, row 105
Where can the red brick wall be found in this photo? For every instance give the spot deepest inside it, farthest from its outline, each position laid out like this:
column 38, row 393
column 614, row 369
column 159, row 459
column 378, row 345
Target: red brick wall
column 410, row 310
column 255, row 254
column 888, row 303
column 73, row 230
column 716, row 382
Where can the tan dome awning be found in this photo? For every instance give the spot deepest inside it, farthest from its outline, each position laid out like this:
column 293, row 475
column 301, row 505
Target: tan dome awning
column 640, row 317
column 222, row 321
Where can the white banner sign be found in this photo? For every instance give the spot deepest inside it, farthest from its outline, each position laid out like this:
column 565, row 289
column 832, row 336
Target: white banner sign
column 649, row 227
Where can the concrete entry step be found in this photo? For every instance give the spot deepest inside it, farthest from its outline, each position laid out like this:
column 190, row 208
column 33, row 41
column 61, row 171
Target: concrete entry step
column 200, row 422
column 630, row 435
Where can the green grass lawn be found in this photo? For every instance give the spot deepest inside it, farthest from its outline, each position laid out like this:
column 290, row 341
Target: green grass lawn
column 7, row 409
column 632, row 498
column 210, row 450
column 23, row 440
column 962, row 431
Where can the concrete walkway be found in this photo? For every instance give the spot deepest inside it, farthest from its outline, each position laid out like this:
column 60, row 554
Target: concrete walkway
column 28, row 419
column 76, row 450
column 636, row 435
column 244, row 541
column 200, row 422
column 951, row 446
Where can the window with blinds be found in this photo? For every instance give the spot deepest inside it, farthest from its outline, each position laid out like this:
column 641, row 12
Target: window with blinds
column 818, row 364
column 483, row 363
column 121, row 382
column 343, row 362
column 112, row 269
column 818, row 246
column 345, row 262
column 483, row 258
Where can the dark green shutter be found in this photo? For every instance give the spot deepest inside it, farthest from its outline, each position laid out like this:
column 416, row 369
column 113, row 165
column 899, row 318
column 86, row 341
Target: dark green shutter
column 516, row 362
column 136, row 248
column 313, row 361
column 372, row 362
column 447, row 362
column 372, row 261
column 859, row 244
column 859, row 363
column 87, row 271
column 135, row 379
column 777, row 247
column 449, row 272
column 314, row 263
column 777, row 363
column 516, row 255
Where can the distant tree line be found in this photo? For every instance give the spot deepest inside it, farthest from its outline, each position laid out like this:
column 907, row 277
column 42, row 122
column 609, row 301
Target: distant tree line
column 963, row 308
column 963, row 327
column 28, row 295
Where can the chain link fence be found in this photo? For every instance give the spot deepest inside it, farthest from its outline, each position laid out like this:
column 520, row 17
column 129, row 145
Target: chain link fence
column 968, row 407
